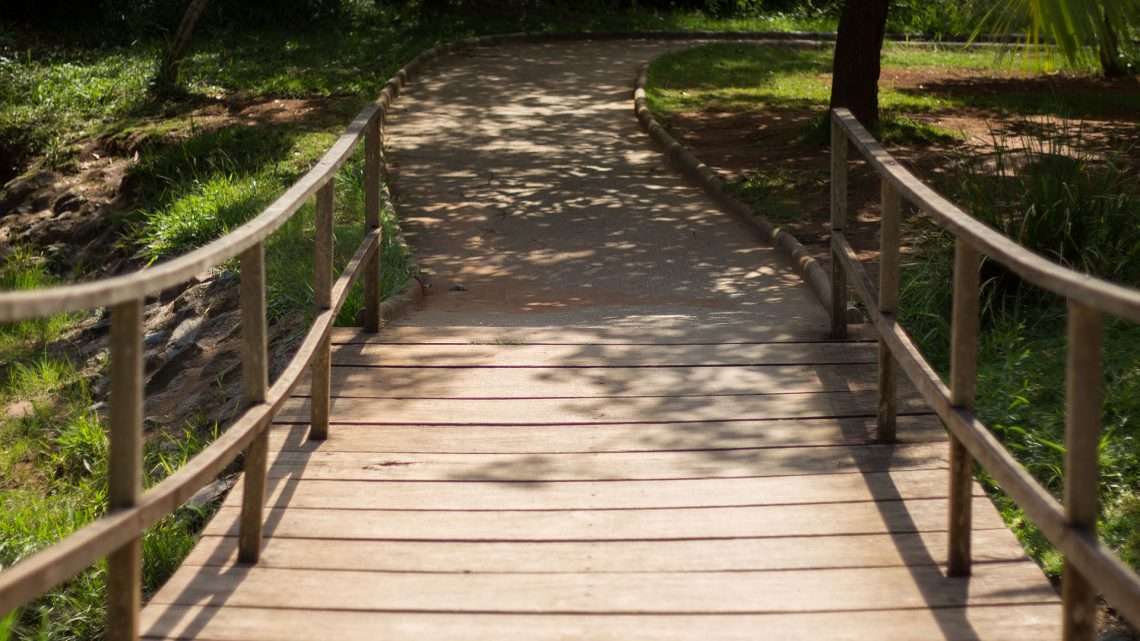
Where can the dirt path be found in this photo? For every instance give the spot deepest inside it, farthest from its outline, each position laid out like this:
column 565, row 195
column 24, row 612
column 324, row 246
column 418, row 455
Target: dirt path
column 532, row 196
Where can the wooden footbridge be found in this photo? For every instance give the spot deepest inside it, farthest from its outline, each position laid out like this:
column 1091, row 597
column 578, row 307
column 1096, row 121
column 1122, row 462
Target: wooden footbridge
column 619, row 416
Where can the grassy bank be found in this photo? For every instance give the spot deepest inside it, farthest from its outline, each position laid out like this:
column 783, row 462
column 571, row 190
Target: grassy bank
column 1045, row 189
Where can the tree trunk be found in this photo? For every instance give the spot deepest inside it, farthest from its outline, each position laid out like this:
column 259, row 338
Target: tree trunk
column 855, row 71
column 167, row 78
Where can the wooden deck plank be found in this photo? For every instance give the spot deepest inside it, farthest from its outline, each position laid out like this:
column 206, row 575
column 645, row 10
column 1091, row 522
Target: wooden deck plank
column 608, row 466
column 538, row 382
column 726, row 555
column 620, row 524
column 212, row 623
column 602, row 438
column 655, row 331
column 841, row 589
column 506, row 355
column 397, row 495
column 587, row 410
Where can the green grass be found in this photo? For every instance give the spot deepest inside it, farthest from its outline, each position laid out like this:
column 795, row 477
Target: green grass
column 53, row 465
column 50, row 98
column 743, row 77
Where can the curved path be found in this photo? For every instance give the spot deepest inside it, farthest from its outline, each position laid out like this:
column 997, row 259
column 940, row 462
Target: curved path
column 618, row 417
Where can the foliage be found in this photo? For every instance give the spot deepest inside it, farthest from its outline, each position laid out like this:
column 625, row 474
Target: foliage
column 1049, row 193
column 51, row 97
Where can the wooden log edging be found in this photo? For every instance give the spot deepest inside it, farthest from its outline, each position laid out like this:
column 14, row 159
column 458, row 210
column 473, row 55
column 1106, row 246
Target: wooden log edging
column 697, row 171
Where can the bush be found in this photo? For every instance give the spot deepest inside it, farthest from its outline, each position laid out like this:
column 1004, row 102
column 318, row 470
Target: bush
column 1051, row 195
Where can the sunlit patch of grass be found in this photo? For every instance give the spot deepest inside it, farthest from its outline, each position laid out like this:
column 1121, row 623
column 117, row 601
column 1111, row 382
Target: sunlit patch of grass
column 23, row 269
column 752, row 77
column 49, row 98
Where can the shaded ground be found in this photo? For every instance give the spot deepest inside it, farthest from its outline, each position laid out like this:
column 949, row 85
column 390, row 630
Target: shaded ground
column 776, row 150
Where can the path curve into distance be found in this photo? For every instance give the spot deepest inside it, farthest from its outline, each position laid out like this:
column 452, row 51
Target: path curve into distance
column 618, row 417
column 522, row 175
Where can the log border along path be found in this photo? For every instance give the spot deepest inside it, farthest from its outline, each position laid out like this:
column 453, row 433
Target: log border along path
column 622, row 415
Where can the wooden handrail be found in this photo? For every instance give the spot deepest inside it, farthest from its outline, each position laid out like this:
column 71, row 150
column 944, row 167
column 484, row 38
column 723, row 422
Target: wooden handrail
column 1089, row 567
column 118, row 534
column 1096, row 293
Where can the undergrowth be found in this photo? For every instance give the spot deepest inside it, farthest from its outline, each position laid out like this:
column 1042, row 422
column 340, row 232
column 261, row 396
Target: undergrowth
column 1079, row 210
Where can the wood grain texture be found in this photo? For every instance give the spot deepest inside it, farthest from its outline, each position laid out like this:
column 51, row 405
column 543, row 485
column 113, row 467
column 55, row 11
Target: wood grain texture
column 710, row 555
column 124, row 465
column 636, row 437
column 556, row 411
column 610, row 466
column 889, row 274
column 600, row 355
column 838, row 224
column 633, row 331
column 255, row 385
column 607, row 495
column 964, row 327
column 844, row 589
column 636, row 524
column 1084, row 393
column 555, row 382
column 947, row 624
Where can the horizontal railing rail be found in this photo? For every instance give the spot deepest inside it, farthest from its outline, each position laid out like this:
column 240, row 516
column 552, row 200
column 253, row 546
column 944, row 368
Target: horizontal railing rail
column 118, row 534
column 1089, row 568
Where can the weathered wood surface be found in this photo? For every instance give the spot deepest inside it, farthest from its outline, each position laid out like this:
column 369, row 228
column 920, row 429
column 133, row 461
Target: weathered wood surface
column 398, row 526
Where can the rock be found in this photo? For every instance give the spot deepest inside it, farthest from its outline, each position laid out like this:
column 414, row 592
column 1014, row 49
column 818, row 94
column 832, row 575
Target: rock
column 457, row 288
column 185, row 333
column 19, row 409
column 211, row 492
column 154, row 339
column 67, row 202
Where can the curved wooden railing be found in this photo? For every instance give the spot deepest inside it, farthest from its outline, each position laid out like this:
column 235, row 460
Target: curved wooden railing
column 117, row 535
column 1089, row 567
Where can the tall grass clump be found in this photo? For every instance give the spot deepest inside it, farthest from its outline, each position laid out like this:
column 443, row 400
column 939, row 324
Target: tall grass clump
column 1076, row 208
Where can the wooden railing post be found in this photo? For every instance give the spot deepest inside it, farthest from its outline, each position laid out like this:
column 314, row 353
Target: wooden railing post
column 1083, row 398
column 963, row 387
column 319, row 395
column 838, row 223
column 255, row 384
column 888, row 304
column 372, row 142
column 124, row 465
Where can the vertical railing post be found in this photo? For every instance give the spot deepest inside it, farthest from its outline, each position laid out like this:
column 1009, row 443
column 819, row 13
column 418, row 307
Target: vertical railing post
column 255, row 383
column 372, row 142
column 838, row 223
column 1083, row 398
column 963, row 388
column 888, row 304
column 321, row 391
column 124, row 482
